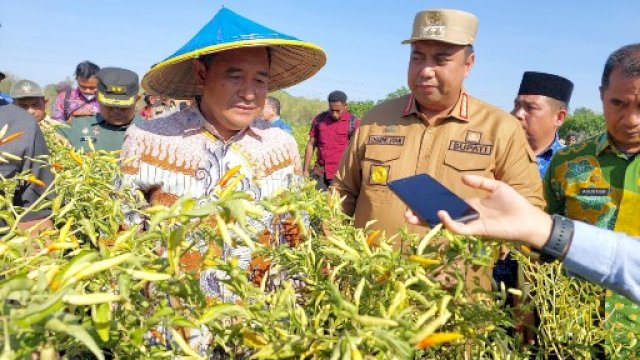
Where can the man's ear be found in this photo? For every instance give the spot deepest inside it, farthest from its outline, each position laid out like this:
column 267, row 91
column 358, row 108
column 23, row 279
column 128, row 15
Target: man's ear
column 560, row 116
column 199, row 69
column 468, row 64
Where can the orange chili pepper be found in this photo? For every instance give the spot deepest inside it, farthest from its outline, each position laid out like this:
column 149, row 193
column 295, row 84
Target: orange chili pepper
column 372, row 237
column 228, row 175
column 57, row 166
column 34, row 180
column 11, row 137
column 438, row 338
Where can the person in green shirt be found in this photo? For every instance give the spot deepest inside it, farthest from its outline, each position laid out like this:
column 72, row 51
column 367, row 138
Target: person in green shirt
column 117, row 94
column 598, row 181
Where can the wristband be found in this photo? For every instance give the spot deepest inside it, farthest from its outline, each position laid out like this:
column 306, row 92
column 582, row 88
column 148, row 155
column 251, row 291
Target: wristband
column 559, row 240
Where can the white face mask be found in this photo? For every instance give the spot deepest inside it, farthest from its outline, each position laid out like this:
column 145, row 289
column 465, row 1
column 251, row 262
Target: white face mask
column 89, row 97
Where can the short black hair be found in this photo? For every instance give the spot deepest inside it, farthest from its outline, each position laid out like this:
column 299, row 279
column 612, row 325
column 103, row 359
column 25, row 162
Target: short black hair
column 274, row 103
column 337, row 96
column 86, row 69
column 627, row 59
column 468, row 50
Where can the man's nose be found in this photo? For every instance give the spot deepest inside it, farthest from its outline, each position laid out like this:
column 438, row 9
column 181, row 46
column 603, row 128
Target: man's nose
column 519, row 113
column 248, row 89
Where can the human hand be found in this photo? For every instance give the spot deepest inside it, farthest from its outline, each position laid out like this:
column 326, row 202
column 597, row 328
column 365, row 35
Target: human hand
column 504, row 214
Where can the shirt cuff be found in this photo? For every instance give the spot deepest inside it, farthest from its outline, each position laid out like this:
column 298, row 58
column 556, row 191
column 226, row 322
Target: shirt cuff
column 591, row 253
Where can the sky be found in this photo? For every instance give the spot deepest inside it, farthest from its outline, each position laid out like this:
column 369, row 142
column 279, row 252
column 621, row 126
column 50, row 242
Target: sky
column 44, row 40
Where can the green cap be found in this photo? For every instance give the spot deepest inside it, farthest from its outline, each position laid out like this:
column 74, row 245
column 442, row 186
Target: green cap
column 117, row 87
column 26, row 89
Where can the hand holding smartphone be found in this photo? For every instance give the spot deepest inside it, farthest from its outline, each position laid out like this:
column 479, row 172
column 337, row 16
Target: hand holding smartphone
column 425, row 196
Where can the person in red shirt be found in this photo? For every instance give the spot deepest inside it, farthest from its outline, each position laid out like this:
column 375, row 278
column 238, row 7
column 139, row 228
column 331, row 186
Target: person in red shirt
column 330, row 133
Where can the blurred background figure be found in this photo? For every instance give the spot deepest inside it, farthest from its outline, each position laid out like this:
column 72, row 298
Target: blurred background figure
column 147, row 110
column 570, row 139
column 4, row 97
column 271, row 113
column 80, row 101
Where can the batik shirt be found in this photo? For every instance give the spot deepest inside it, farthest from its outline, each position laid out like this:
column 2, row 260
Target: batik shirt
column 182, row 154
column 544, row 158
column 596, row 183
column 76, row 102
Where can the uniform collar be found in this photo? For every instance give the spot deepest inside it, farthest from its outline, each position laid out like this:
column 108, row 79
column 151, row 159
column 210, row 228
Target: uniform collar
column 604, row 142
column 196, row 123
column 103, row 123
column 459, row 111
column 551, row 149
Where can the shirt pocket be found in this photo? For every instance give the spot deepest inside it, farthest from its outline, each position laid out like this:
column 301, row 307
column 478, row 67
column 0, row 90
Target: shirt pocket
column 380, row 165
column 467, row 162
column 340, row 136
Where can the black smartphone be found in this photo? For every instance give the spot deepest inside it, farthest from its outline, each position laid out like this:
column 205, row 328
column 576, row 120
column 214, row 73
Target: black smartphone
column 425, row 196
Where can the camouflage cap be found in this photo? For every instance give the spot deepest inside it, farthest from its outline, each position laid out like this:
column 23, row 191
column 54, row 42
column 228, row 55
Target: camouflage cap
column 26, row 89
column 117, row 87
column 446, row 25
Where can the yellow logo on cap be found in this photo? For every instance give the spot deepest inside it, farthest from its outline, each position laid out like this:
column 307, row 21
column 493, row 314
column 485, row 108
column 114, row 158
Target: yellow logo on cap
column 379, row 174
column 117, row 89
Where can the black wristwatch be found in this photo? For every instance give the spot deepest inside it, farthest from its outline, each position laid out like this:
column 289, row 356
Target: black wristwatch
column 557, row 246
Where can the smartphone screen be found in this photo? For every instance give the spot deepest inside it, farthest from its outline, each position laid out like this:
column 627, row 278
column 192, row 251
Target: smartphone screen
column 425, row 196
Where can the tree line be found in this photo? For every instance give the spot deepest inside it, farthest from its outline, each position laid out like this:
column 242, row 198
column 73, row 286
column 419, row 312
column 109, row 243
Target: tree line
column 300, row 111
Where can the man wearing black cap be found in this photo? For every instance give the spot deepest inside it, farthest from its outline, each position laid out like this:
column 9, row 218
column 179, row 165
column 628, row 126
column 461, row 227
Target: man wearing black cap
column 541, row 106
column 117, row 95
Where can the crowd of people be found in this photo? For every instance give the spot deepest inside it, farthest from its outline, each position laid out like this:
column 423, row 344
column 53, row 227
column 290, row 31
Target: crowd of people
column 511, row 166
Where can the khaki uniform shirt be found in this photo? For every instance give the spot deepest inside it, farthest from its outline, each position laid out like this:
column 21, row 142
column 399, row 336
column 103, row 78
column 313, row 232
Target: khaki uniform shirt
column 395, row 141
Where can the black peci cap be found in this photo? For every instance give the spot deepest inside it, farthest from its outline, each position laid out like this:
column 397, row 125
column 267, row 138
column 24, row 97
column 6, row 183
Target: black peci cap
column 553, row 86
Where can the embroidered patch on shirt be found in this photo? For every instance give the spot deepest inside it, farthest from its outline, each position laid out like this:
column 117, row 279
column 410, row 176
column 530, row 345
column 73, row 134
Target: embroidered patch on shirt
column 379, row 174
column 385, row 140
column 595, row 191
column 468, row 147
column 473, row 137
column 390, row 129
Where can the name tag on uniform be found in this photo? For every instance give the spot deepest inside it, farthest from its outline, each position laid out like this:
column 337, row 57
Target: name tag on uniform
column 385, row 140
column 470, row 147
column 87, row 138
column 595, row 191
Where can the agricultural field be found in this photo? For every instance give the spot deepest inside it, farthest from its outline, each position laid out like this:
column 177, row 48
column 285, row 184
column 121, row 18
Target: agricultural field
column 94, row 287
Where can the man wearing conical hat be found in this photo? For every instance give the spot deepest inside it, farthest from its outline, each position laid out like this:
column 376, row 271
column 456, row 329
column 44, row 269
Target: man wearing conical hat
column 229, row 65
column 438, row 129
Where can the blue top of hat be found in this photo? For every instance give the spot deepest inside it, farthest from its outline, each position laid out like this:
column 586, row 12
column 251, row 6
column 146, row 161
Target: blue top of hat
column 228, row 27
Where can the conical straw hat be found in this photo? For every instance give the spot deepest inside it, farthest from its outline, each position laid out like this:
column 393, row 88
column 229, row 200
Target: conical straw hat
column 292, row 60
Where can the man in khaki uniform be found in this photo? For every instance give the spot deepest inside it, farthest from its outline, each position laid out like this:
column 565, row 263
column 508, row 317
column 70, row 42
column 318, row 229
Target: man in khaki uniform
column 438, row 129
